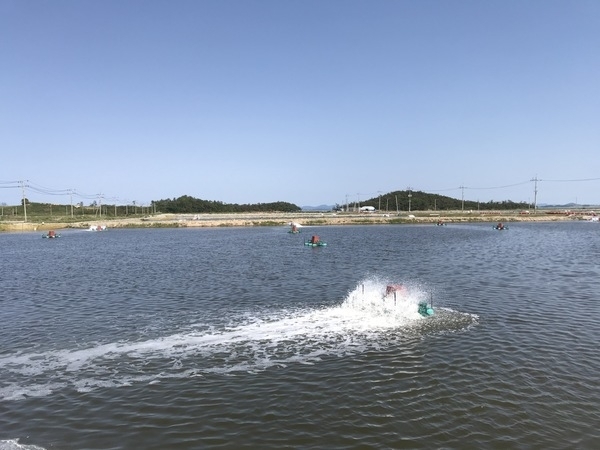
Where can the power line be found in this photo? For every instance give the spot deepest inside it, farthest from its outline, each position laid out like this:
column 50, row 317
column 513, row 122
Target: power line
column 568, row 181
column 462, row 187
column 499, row 187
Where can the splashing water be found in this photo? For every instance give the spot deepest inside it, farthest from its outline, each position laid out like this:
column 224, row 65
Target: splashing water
column 379, row 309
column 366, row 318
column 13, row 444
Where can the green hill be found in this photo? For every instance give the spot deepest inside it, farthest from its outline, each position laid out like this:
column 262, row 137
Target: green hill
column 392, row 201
column 422, row 201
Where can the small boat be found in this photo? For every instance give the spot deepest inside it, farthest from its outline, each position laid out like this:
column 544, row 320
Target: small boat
column 315, row 241
column 500, row 226
column 97, row 228
column 294, row 228
column 51, row 235
column 441, row 223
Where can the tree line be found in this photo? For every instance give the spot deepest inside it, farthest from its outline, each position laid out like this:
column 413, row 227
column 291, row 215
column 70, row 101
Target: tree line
column 392, row 201
column 422, row 201
column 187, row 204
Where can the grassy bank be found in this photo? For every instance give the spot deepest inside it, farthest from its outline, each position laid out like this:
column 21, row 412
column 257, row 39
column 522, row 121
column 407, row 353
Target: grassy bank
column 282, row 219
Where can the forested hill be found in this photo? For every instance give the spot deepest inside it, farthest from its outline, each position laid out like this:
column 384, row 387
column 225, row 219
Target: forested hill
column 392, row 201
column 187, row 204
column 422, row 201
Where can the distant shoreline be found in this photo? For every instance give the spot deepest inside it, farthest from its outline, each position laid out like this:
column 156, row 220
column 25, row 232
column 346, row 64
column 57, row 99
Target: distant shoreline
column 303, row 218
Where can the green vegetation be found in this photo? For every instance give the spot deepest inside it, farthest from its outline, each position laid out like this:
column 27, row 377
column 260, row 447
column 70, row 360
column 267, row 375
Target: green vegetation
column 191, row 205
column 48, row 212
column 422, row 201
column 152, row 225
column 392, row 201
column 266, row 223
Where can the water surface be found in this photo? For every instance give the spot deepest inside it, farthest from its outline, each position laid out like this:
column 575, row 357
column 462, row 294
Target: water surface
column 246, row 338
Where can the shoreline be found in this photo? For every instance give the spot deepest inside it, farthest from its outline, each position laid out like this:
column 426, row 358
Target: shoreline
column 304, row 218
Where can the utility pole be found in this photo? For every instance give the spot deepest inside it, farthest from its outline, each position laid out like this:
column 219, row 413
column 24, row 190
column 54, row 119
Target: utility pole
column 463, row 197
column 409, row 189
column 71, row 193
column 535, row 179
column 24, row 201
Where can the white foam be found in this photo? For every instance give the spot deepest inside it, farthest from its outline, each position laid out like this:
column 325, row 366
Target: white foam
column 13, row 444
column 283, row 338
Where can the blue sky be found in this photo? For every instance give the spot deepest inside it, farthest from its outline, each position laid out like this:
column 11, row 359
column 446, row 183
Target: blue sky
column 310, row 102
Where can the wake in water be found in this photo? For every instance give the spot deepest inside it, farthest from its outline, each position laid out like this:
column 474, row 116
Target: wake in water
column 13, row 444
column 365, row 319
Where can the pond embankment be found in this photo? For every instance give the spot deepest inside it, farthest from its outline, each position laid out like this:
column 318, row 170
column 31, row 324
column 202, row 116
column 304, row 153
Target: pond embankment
column 303, row 218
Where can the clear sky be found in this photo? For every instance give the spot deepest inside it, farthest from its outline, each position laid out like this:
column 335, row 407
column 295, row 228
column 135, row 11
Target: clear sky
column 306, row 101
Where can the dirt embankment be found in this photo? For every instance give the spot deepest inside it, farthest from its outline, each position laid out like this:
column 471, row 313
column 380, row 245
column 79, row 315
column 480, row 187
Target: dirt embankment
column 274, row 219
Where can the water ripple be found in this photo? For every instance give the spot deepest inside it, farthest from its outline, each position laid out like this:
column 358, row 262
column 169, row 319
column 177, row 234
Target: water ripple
column 247, row 339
